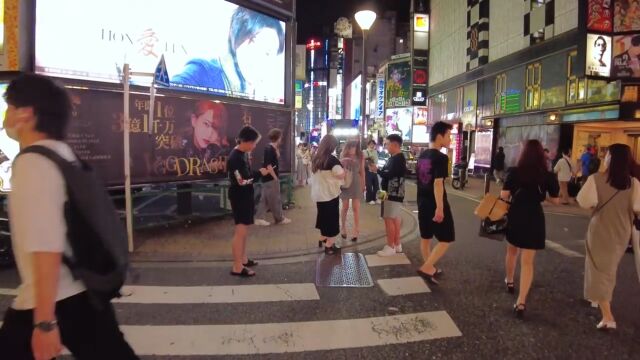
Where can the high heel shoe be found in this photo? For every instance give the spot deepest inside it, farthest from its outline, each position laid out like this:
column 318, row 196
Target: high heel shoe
column 606, row 325
column 321, row 243
column 331, row 250
column 519, row 309
column 511, row 288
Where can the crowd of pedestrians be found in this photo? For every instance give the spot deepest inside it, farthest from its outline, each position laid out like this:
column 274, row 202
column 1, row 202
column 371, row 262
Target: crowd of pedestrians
column 60, row 304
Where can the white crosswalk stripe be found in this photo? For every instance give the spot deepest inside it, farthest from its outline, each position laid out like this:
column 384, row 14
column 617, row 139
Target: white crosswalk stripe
column 397, row 259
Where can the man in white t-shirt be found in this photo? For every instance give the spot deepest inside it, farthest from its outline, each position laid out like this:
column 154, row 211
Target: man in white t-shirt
column 51, row 309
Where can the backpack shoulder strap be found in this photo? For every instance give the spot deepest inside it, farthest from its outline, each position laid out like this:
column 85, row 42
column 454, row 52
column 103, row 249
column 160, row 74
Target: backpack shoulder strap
column 50, row 154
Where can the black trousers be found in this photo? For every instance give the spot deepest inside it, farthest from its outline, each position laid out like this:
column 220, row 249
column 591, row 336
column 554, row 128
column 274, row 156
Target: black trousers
column 88, row 333
column 372, row 185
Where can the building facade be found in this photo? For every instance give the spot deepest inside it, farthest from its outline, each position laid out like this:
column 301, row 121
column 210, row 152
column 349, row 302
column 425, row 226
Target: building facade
column 561, row 71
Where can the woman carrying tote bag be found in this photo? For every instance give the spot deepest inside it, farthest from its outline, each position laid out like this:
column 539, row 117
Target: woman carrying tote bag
column 615, row 197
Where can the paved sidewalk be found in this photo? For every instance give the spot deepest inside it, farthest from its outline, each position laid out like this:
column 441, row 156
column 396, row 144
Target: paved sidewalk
column 475, row 190
column 211, row 241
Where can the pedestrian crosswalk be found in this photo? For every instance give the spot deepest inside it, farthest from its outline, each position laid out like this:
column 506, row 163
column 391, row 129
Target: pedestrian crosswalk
column 256, row 325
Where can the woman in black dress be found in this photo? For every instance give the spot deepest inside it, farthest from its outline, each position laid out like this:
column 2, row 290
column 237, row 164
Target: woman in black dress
column 526, row 187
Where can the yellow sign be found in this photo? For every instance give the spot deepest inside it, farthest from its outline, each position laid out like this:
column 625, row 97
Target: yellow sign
column 421, row 22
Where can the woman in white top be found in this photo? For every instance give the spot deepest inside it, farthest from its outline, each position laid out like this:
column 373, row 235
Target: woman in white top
column 327, row 176
column 565, row 168
column 615, row 197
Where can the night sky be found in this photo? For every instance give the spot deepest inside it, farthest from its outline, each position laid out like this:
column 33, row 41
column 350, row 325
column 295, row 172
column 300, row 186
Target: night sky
column 314, row 14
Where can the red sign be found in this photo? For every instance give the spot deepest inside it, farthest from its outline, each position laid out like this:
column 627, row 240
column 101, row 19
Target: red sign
column 314, row 45
column 420, row 77
column 599, row 15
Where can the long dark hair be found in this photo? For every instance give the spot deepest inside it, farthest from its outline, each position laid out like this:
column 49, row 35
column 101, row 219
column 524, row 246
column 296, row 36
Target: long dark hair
column 532, row 166
column 621, row 167
column 327, row 146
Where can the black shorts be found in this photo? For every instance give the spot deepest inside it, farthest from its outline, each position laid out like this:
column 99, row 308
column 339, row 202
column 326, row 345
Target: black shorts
column 444, row 231
column 328, row 218
column 242, row 204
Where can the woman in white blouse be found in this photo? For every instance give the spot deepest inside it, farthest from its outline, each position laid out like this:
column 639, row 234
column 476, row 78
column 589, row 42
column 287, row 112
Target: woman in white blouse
column 615, row 197
column 565, row 168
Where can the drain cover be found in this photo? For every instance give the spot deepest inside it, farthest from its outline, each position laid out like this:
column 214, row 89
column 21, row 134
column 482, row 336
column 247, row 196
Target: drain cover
column 348, row 270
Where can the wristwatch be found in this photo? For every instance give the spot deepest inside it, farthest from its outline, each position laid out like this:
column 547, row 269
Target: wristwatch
column 46, row 326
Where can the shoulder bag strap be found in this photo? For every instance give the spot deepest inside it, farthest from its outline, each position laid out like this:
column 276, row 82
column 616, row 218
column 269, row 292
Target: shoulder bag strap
column 605, row 204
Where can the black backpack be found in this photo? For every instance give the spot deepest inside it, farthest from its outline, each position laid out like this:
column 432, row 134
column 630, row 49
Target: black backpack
column 96, row 234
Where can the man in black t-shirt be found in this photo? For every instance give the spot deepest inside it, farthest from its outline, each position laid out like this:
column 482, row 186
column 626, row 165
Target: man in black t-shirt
column 392, row 175
column 434, row 213
column 270, row 198
column 498, row 165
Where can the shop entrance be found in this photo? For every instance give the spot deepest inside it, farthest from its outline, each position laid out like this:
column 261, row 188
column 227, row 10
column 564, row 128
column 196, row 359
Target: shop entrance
column 635, row 146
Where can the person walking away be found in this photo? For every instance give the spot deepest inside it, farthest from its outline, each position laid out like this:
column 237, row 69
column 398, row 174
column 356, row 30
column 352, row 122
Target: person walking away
column 327, row 176
column 241, row 196
column 392, row 175
column 564, row 170
column 498, row 165
column 52, row 309
column 548, row 160
column 270, row 197
column 585, row 159
column 526, row 187
column 303, row 160
column 352, row 160
column 372, row 183
column 434, row 213
column 615, row 197
column 594, row 163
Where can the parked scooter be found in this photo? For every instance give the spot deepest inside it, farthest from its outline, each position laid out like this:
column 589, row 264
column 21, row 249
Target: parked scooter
column 459, row 176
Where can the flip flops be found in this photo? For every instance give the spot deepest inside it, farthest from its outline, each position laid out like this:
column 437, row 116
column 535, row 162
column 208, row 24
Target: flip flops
column 244, row 273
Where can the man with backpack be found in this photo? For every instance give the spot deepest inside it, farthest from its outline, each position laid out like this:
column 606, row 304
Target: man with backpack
column 69, row 247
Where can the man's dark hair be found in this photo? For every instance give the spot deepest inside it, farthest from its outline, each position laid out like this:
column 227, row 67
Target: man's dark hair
column 635, row 41
column 500, row 149
column 395, row 138
column 439, row 128
column 371, row 142
column 248, row 134
column 50, row 102
column 274, row 135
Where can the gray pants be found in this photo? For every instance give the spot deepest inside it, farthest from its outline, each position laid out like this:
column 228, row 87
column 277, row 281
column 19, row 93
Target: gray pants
column 271, row 200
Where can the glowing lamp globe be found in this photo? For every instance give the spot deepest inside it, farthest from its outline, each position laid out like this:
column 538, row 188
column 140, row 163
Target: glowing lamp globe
column 365, row 19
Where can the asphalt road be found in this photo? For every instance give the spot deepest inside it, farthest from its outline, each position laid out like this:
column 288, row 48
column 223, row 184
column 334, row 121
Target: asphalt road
column 558, row 324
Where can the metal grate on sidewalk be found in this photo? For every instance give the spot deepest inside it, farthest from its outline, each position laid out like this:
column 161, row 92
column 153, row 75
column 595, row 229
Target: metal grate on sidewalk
column 345, row 270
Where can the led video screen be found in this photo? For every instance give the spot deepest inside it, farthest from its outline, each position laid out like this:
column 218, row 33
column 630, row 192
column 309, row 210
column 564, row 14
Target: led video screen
column 210, row 46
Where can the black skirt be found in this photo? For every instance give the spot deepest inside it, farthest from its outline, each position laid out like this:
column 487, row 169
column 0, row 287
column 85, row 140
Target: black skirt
column 328, row 219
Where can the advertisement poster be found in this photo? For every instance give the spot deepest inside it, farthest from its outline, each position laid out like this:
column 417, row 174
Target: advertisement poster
column 189, row 139
column 380, row 97
column 626, row 15
column 484, row 140
column 398, row 121
column 214, row 47
column 599, row 15
column 626, row 56
column 10, row 35
column 598, row 55
column 399, row 85
column 514, row 138
column 356, row 87
column 420, row 133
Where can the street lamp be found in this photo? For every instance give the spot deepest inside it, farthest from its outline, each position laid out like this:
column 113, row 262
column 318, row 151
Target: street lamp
column 365, row 19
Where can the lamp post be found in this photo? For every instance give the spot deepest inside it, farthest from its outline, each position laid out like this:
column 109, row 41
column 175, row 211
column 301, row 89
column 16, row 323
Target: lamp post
column 365, row 19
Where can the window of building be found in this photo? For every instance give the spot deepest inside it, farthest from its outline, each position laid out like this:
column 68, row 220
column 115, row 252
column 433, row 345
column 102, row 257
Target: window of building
column 500, row 93
column 533, row 79
column 576, row 86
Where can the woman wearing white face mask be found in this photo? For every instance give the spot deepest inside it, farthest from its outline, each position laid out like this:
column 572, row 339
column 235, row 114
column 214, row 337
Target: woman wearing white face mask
column 615, row 197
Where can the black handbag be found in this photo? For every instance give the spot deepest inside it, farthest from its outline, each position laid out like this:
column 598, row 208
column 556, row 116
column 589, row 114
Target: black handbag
column 494, row 230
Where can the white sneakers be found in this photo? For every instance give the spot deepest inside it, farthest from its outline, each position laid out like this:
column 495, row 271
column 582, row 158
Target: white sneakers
column 606, row 325
column 261, row 222
column 372, row 202
column 387, row 251
column 378, row 202
column 399, row 249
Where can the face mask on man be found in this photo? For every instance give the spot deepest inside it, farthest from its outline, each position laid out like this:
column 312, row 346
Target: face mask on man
column 12, row 132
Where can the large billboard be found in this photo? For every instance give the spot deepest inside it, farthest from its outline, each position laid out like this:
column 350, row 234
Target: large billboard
column 214, row 47
column 398, row 84
column 598, row 55
column 626, row 15
column 356, row 92
column 626, row 56
column 189, row 139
